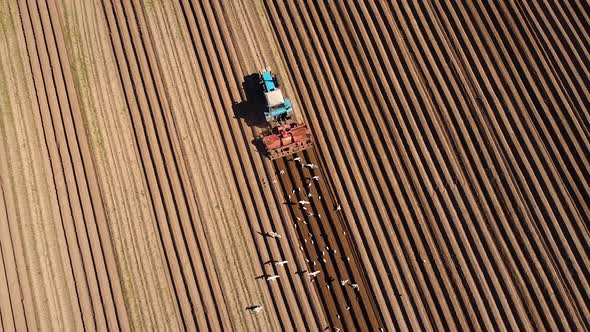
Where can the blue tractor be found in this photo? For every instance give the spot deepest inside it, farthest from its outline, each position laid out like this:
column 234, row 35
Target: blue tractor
column 286, row 135
column 278, row 108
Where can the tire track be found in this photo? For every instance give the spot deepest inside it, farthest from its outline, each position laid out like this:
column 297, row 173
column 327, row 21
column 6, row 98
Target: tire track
column 12, row 309
column 64, row 98
column 136, row 246
column 167, row 212
column 43, row 218
column 467, row 201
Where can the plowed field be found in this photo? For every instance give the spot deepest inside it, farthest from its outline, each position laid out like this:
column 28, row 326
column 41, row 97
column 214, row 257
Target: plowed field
column 450, row 187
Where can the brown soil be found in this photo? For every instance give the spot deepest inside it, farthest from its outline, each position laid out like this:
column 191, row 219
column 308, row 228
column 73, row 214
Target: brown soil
column 455, row 137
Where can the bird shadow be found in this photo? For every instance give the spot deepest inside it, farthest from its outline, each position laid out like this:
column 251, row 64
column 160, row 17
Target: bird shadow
column 301, row 272
column 263, row 276
column 263, row 234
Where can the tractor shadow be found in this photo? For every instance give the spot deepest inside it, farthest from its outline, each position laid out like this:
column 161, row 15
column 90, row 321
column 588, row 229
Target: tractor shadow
column 252, row 108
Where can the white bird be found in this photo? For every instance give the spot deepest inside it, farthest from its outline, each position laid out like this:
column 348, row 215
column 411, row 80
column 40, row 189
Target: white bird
column 314, row 274
column 309, row 195
column 355, row 286
column 338, row 208
column 297, row 159
column 281, row 172
column 272, row 278
column 274, row 235
column 281, row 263
column 302, row 202
column 317, row 177
column 344, row 282
column 257, row 308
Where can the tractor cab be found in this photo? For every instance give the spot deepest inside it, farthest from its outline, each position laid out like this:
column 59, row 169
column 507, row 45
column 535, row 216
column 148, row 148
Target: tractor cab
column 278, row 108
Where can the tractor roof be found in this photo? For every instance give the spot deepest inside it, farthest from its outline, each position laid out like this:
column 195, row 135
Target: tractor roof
column 274, row 98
